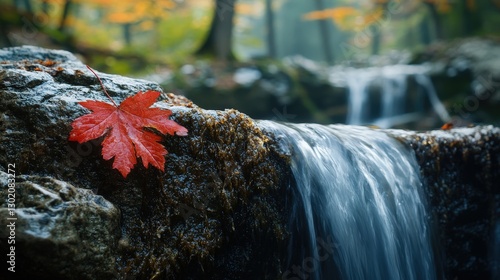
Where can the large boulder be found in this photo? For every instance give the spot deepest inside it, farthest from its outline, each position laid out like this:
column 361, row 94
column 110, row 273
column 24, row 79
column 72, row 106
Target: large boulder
column 60, row 231
column 461, row 171
column 213, row 211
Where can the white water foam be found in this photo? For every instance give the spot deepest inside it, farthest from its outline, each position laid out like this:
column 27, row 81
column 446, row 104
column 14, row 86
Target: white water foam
column 358, row 211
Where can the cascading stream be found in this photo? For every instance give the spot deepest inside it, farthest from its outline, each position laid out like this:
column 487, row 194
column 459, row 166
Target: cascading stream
column 358, row 208
column 393, row 99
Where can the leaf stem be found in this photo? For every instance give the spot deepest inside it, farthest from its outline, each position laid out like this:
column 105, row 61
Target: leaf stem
column 104, row 89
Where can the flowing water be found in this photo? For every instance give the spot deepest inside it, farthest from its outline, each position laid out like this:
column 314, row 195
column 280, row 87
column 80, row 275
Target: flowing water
column 394, row 101
column 358, row 208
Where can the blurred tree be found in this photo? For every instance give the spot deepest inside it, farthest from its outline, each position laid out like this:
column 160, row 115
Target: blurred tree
column 473, row 20
column 354, row 20
column 45, row 6
column 124, row 12
column 296, row 37
column 325, row 34
column 66, row 10
column 27, row 5
column 9, row 16
column 425, row 35
column 218, row 42
column 23, row 3
column 468, row 12
column 376, row 31
column 495, row 4
column 366, row 17
column 435, row 18
column 129, row 13
column 271, row 42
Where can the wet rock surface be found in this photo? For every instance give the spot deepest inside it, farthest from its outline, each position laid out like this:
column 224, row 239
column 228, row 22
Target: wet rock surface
column 461, row 170
column 61, row 232
column 220, row 209
column 213, row 214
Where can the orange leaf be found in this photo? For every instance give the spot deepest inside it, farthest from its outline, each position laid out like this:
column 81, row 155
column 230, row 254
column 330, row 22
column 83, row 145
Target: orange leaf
column 337, row 14
column 123, row 126
column 447, row 126
column 344, row 17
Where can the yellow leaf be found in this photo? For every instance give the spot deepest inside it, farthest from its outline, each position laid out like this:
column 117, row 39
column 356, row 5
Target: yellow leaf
column 348, row 18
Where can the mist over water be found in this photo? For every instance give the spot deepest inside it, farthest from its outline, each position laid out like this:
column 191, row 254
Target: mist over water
column 358, row 208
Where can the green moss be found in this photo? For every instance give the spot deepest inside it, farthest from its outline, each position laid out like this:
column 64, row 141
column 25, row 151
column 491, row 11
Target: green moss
column 218, row 193
column 460, row 172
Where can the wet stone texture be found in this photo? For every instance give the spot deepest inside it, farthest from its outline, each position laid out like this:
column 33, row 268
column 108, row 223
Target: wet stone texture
column 461, row 170
column 213, row 214
column 60, row 231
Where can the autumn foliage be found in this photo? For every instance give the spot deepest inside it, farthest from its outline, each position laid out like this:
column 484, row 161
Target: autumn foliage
column 347, row 18
column 123, row 126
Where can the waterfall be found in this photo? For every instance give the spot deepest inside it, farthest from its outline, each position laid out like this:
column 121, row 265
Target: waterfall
column 358, row 97
column 358, row 211
column 393, row 82
column 438, row 107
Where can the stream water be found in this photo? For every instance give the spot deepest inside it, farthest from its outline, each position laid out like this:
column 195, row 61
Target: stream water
column 358, row 207
column 393, row 83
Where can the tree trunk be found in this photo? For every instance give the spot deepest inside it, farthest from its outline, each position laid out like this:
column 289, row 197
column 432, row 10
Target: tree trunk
column 494, row 4
column 425, row 36
column 271, row 43
column 376, row 39
column 127, row 33
column 376, row 30
column 438, row 26
column 27, row 6
column 472, row 20
column 65, row 14
column 16, row 4
column 4, row 35
column 45, row 7
column 219, row 40
column 325, row 35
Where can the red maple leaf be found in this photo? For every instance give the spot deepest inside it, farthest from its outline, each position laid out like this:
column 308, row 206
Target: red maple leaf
column 123, row 126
